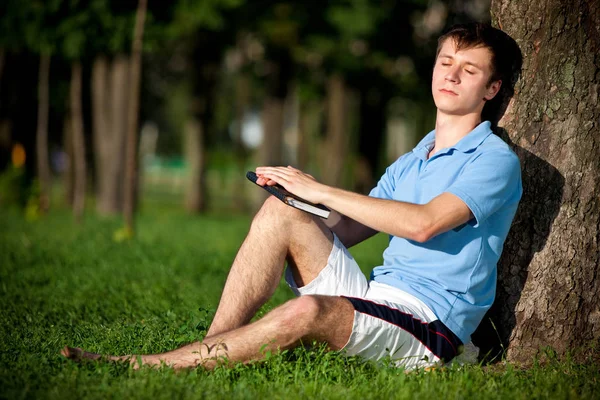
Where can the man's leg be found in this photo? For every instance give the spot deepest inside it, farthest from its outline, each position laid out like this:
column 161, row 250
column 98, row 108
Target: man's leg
column 278, row 232
column 326, row 319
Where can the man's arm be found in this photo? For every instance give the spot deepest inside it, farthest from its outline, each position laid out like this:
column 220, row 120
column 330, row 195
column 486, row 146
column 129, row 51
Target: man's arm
column 418, row 222
column 411, row 221
column 348, row 230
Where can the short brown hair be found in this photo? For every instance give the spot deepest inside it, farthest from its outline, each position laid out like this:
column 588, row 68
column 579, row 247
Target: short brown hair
column 505, row 63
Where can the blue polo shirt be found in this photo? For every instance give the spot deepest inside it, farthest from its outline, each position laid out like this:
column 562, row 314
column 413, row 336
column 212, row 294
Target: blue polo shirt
column 453, row 273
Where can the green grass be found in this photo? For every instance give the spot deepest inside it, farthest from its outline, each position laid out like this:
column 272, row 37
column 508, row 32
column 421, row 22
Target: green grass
column 62, row 283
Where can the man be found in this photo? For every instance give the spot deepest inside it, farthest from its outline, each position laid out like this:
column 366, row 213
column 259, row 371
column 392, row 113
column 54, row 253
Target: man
column 447, row 207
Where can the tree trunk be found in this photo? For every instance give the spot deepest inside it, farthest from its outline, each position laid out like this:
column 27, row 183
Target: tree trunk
column 109, row 105
column 2, row 57
column 43, row 166
column 78, row 142
column 271, row 151
column 132, row 117
column 373, row 104
column 99, row 124
column 549, row 291
column 336, row 147
column 195, row 155
column 242, row 102
column 68, row 173
column 309, row 131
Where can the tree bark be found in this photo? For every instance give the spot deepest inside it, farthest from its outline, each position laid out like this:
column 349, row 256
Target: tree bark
column 109, row 106
column 43, row 166
column 68, row 173
column 271, row 152
column 549, row 291
column 132, row 118
column 2, row 58
column 99, row 123
column 336, row 147
column 372, row 125
column 78, row 142
column 242, row 102
column 195, row 155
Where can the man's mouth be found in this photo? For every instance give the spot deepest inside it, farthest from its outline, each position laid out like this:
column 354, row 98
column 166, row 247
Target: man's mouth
column 450, row 92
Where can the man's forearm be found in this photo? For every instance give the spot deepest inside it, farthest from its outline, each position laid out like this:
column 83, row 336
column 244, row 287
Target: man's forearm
column 393, row 217
column 349, row 231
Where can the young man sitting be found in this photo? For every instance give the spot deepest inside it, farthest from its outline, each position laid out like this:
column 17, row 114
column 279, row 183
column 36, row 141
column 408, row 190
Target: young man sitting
column 447, row 206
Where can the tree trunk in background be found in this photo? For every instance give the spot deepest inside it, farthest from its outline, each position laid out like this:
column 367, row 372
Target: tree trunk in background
column 242, row 102
column 119, row 94
column 1, row 62
column 199, row 122
column 271, row 151
column 100, row 121
column 303, row 137
column 338, row 138
column 271, row 147
column 68, row 173
column 549, row 291
column 373, row 103
column 195, row 155
column 78, row 142
column 109, row 105
column 132, row 118
column 43, row 165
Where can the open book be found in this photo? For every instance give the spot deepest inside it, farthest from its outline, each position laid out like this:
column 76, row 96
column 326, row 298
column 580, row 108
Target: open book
column 291, row 199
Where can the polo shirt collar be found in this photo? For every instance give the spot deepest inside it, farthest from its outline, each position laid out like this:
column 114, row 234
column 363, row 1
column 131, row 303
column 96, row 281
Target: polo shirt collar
column 470, row 142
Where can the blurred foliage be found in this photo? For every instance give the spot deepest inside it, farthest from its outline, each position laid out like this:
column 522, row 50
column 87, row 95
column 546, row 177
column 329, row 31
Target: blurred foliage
column 12, row 187
column 196, row 52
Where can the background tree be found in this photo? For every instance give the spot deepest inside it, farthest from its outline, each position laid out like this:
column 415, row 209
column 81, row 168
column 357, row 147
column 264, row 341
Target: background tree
column 549, row 292
column 33, row 27
column 74, row 35
column 131, row 161
column 207, row 36
column 110, row 82
column 40, row 36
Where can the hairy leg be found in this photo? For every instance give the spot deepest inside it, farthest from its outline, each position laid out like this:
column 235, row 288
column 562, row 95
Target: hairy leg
column 277, row 233
column 325, row 319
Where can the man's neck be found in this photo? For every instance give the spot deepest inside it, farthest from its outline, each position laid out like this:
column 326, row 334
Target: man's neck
column 450, row 129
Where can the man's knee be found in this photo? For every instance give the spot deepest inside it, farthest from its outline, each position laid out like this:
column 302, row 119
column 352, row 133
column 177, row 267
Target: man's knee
column 302, row 313
column 276, row 212
column 326, row 319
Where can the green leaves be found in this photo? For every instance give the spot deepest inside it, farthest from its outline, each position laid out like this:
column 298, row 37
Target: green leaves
column 190, row 15
column 356, row 18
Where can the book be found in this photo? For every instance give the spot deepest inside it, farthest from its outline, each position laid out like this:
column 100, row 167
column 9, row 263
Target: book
column 291, row 199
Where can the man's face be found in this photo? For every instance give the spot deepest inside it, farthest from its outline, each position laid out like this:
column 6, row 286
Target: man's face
column 460, row 79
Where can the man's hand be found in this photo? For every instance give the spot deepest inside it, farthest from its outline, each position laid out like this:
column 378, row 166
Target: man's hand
column 293, row 180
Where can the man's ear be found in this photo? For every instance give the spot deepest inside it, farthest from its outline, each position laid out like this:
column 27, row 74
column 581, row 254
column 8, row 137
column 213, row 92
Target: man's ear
column 492, row 90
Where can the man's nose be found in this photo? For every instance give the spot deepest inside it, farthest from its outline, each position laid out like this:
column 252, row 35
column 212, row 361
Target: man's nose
column 452, row 75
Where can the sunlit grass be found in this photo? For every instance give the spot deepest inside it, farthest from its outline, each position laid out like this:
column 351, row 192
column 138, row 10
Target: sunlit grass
column 62, row 283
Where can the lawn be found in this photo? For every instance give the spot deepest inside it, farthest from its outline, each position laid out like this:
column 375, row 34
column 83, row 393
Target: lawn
column 67, row 284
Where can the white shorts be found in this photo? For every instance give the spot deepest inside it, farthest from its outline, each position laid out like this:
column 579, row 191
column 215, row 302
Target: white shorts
column 388, row 322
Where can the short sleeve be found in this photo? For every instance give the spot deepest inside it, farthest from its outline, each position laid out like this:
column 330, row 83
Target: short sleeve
column 489, row 182
column 387, row 183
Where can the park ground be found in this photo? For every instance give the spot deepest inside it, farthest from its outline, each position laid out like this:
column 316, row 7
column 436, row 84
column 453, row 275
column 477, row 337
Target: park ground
column 63, row 283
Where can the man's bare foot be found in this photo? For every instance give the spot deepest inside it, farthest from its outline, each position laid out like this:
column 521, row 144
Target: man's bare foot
column 77, row 354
